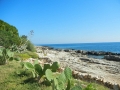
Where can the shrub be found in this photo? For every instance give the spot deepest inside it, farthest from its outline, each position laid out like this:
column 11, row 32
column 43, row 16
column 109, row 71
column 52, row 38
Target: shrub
column 30, row 46
column 8, row 35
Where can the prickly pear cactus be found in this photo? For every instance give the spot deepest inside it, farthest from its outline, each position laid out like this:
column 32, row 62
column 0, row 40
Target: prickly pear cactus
column 5, row 55
column 54, row 84
column 33, row 73
column 68, row 73
column 62, row 77
column 61, row 86
column 61, row 80
column 4, row 52
column 36, row 62
column 46, row 66
column 28, row 65
column 38, row 69
column 2, row 60
column 76, row 88
column 49, row 74
column 17, row 59
column 9, row 53
column 68, row 85
column 55, row 66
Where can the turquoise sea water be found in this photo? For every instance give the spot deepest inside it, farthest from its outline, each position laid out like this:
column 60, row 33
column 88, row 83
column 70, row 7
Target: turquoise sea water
column 108, row 47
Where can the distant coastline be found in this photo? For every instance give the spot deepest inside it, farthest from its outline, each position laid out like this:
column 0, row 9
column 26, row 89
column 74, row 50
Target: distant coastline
column 100, row 46
column 105, row 70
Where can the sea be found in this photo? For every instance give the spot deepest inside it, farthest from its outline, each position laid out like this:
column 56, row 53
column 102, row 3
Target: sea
column 106, row 46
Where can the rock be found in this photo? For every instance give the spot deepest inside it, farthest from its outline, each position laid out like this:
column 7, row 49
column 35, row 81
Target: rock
column 84, row 52
column 79, row 51
column 85, row 59
column 112, row 57
column 116, row 87
column 82, row 65
column 46, row 60
column 93, row 53
column 67, row 50
column 50, row 48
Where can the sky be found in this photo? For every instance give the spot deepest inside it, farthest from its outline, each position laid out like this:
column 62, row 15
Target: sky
column 64, row 21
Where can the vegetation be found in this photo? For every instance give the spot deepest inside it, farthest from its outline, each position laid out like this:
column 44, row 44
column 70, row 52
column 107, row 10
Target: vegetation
column 49, row 76
column 8, row 35
column 26, row 55
column 26, row 43
column 30, row 46
column 39, row 71
column 13, row 77
column 6, row 55
column 30, row 76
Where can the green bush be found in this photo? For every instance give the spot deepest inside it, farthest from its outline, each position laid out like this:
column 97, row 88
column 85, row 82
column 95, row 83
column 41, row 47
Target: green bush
column 8, row 35
column 30, row 46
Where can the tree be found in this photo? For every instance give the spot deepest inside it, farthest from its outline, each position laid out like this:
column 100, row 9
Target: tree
column 8, row 35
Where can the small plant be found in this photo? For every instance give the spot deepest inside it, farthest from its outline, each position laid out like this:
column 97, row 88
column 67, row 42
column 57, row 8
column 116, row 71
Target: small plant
column 30, row 46
column 26, row 43
column 47, row 73
column 54, row 66
column 90, row 87
column 62, row 81
column 39, row 71
column 5, row 55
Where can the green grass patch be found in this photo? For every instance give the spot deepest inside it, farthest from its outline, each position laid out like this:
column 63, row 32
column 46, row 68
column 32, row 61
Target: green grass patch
column 13, row 77
column 32, row 54
column 26, row 55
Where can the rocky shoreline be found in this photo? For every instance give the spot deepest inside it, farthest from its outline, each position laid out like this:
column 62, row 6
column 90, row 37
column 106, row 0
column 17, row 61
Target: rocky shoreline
column 104, row 71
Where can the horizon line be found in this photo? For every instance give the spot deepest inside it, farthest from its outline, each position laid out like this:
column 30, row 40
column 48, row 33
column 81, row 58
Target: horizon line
column 76, row 43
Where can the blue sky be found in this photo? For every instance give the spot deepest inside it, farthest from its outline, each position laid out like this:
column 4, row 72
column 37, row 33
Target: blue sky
column 64, row 21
